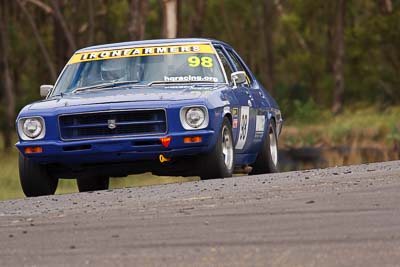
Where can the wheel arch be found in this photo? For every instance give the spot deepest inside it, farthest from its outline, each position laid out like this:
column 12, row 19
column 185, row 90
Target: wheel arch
column 229, row 116
column 271, row 119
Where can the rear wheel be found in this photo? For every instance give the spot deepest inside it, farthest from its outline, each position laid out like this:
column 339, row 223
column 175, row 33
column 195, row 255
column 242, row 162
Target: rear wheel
column 92, row 183
column 267, row 159
column 219, row 163
column 35, row 179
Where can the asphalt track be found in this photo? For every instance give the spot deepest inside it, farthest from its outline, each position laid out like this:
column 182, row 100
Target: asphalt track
column 345, row 216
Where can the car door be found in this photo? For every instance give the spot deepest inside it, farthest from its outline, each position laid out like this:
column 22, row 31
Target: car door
column 259, row 103
column 243, row 113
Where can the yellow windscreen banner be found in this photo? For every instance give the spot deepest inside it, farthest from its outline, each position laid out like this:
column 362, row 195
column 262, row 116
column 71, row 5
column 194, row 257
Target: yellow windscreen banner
column 141, row 51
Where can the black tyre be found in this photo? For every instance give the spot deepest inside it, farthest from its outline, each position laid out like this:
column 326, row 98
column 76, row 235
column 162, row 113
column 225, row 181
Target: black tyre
column 267, row 159
column 92, row 183
column 35, row 179
column 219, row 162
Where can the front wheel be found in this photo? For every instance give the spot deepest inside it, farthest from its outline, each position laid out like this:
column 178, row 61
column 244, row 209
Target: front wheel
column 267, row 159
column 35, row 179
column 92, row 183
column 219, row 162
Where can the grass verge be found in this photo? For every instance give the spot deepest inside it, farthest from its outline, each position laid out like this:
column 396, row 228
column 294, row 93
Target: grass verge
column 362, row 128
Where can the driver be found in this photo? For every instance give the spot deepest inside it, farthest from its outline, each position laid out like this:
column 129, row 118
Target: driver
column 113, row 70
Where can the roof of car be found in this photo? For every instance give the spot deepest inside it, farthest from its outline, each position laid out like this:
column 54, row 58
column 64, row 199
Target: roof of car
column 151, row 42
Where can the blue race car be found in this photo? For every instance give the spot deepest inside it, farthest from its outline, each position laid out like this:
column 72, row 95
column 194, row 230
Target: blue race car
column 185, row 107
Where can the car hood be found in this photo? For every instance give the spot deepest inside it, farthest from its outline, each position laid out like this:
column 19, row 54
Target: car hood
column 133, row 94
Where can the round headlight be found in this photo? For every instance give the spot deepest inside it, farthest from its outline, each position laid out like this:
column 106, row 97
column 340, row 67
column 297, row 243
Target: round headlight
column 195, row 117
column 32, row 127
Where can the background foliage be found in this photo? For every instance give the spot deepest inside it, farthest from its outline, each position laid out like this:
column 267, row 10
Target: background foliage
column 293, row 47
column 288, row 44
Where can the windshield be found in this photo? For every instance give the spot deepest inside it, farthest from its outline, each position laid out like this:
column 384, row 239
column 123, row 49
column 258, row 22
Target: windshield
column 140, row 66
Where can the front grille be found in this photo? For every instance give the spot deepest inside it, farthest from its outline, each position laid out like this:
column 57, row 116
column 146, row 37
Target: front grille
column 100, row 124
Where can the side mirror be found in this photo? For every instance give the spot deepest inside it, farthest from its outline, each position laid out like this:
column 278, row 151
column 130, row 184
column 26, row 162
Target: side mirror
column 45, row 89
column 238, row 77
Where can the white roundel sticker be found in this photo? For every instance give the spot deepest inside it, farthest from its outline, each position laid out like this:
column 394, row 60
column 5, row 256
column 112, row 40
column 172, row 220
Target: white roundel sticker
column 243, row 127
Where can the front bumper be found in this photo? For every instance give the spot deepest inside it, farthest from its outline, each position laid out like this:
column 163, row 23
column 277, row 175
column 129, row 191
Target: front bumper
column 114, row 150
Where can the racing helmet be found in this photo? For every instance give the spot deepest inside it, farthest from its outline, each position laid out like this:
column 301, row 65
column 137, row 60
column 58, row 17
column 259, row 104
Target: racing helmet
column 114, row 69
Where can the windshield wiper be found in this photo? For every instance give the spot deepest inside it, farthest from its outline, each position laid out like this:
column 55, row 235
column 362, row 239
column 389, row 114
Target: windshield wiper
column 104, row 85
column 174, row 82
column 58, row 95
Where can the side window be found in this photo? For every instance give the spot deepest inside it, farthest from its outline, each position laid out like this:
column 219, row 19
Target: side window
column 225, row 63
column 239, row 65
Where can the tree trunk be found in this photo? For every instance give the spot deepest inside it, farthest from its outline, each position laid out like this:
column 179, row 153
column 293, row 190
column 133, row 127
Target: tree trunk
column 297, row 36
column 330, row 34
column 60, row 43
column 106, row 26
column 197, row 20
column 41, row 5
column 137, row 24
column 386, row 6
column 9, row 97
column 269, row 17
column 60, row 18
column 170, row 16
column 43, row 49
column 226, row 21
column 338, row 72
column 91, row 22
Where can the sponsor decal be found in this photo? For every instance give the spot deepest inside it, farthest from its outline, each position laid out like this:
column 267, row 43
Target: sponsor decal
column 147, row 51
column 260, row 126
column 190, row 78
column 243, row 128
column 260, row 123
column 235, row 112
column 235, row 123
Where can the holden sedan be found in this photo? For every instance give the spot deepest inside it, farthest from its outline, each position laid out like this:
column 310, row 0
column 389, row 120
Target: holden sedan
column 185, row 107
